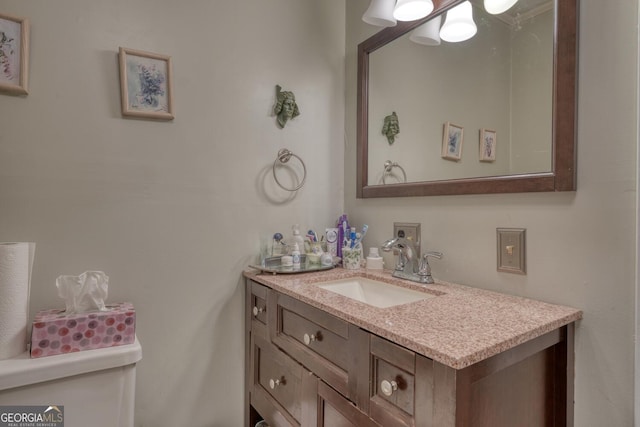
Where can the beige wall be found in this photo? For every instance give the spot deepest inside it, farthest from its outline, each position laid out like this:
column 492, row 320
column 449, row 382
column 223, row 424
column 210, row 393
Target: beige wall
column 172, row 211
column 580, row 246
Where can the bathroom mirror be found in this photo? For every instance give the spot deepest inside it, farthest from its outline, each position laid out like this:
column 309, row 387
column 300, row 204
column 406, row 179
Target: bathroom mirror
column 514, row 80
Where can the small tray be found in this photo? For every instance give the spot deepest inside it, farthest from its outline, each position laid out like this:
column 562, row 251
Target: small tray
column 274, row 265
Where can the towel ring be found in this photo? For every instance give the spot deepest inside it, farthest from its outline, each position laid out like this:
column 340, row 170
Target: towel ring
column 284, row 156
column 388, row 165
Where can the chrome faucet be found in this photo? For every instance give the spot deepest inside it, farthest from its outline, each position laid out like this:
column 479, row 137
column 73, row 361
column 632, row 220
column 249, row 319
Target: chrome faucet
column 409, row 265
column 407, row 259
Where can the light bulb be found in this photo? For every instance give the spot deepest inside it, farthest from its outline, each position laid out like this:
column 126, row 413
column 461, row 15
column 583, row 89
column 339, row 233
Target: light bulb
column 458, row 25
column 427, row 33
column 380, row 13
column 496, row 7
column 411, row 10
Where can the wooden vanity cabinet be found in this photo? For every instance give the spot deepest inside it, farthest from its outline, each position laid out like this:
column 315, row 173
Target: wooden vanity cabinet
column 334, row 374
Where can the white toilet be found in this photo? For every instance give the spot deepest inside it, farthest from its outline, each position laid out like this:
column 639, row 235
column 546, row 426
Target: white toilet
column 96, row 387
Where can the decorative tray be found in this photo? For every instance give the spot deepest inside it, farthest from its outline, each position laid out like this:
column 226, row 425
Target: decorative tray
column 274, row 265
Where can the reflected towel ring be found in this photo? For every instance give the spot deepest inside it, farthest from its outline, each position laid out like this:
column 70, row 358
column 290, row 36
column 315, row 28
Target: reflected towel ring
column 388, row 165
column 284, row 156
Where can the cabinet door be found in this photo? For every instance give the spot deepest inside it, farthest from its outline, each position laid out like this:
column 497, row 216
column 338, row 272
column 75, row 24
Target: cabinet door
column 281, row 390
column 336, row 411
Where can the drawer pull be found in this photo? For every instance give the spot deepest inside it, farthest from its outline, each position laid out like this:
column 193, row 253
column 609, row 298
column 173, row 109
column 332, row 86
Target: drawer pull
column 308, row 338
column 257, row 310
column 388, row 387
column 274, row 383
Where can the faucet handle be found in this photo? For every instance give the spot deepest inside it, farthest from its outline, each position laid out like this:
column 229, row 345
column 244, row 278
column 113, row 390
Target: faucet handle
column 424, row 269
column 432, row 254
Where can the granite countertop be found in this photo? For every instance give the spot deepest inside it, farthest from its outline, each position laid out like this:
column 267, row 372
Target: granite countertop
column 460, row 327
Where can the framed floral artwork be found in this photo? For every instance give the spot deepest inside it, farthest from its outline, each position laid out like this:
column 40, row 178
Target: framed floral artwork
column 146, row 84
column 487, row 145
column 452, row 141
column 14, row 54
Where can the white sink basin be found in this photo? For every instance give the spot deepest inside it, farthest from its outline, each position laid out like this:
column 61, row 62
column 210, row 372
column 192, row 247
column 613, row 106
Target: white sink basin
column 372, row 292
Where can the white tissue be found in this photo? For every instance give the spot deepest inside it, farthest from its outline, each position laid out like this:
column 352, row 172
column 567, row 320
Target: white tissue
column 85, row 292
column 16, row 261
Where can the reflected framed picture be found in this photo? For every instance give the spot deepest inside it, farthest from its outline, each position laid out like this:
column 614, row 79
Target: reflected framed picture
column 452, row 139
column 487, row 145
column 146, row 84
column 14, row 54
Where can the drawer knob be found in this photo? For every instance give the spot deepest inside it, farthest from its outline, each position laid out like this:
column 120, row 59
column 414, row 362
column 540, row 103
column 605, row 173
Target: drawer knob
column 257, row 310
column 388, row 387
column 273, row 383
column 308, row 338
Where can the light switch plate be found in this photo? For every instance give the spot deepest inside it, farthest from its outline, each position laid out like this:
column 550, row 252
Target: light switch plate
column 410, row 231
column 511, row 250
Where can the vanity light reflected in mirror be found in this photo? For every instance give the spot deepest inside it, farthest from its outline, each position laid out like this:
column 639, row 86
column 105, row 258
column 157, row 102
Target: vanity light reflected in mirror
column 428, row 33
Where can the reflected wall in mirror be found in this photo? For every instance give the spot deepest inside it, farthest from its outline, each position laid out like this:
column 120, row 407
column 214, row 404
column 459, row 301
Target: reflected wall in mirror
column 516, row 76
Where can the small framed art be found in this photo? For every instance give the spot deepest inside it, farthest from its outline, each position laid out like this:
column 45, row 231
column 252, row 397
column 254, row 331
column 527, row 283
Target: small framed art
column 487, row 145
column 14, row 54
column 146, row 84
column 452, row 141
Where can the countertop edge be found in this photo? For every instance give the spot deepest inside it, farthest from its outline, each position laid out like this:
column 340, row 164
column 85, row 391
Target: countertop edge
column 453, row 361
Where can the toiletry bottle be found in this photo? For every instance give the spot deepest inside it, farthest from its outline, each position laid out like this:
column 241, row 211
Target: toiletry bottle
column 296, row 256
column 374, row 260
column 296, row 238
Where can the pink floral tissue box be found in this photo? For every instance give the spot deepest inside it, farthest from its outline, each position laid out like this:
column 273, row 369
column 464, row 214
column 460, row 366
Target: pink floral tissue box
column 55, row 332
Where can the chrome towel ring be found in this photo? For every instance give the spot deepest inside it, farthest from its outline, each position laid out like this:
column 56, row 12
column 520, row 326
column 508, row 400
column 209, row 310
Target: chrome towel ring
column 284, row 156
column 388, row 166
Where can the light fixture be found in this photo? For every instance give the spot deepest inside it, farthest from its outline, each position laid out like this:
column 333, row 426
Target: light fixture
column 458, row 25
column 496, row 7
column 427, row 33
column 380, row 13
column 411, row 10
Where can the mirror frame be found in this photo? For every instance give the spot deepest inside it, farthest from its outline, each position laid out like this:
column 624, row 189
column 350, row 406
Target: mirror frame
column 564, row 118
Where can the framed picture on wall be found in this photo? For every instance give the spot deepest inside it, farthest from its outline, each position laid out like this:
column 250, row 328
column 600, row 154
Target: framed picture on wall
column 452, row 139
column 14, row 54
column 487, row 145
column 146, row 85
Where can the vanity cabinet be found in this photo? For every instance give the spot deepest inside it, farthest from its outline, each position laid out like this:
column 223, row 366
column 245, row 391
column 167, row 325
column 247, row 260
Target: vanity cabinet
column 306, row 367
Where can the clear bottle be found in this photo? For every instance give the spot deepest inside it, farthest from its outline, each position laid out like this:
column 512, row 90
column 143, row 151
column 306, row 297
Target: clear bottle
column 296, row 238
column 296, row 256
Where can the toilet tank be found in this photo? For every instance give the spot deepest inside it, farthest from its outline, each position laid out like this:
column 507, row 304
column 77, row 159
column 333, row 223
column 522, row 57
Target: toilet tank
column 96, row 387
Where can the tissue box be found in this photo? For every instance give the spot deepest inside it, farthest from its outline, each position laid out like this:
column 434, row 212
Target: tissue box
column 55, row 332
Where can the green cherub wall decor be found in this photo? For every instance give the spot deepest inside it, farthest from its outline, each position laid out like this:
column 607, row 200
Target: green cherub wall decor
column 286, row 107
column 391, row 127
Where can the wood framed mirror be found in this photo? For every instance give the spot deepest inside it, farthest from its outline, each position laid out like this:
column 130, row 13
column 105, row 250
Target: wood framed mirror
column 560, row 174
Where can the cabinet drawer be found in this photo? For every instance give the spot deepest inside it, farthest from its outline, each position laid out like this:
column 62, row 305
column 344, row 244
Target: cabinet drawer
column 393, row 377
column 258, row 302
column 328, row 346
column 276, row 379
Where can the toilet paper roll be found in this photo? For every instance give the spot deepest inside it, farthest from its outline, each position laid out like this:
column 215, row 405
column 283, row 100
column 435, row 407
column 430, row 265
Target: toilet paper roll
column 16, row 260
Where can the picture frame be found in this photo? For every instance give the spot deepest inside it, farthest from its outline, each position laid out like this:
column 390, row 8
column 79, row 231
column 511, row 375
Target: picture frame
column 452, row 140
column 146, row 84
column 487, row 145
column 14, row 54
